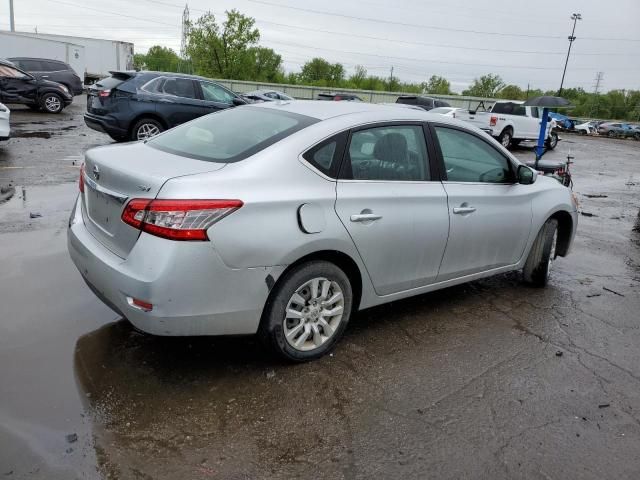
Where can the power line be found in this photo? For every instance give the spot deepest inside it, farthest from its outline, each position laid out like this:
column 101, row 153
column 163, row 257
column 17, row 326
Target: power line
column 395, row 57
column 62, row 2
column 439, row 45
column 432, row 27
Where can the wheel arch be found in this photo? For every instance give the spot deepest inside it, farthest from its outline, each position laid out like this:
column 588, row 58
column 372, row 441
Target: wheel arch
column 347, row 264
column 565, row 231
column 147, row 114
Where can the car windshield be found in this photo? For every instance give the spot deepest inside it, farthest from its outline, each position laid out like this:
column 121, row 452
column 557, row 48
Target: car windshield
column 230, row 135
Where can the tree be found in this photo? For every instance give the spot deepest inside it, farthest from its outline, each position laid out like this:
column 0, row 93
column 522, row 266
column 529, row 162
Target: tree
column 158, row 58
column 224, row 52
column 318, row 71
column 438, row 85
column 265, row 65
column 358, row 77
column 485, row 86
column 512, row 92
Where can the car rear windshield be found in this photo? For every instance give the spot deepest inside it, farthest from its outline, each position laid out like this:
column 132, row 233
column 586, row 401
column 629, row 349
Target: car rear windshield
column 509, row 108
column 110, row 82
column 230, row 135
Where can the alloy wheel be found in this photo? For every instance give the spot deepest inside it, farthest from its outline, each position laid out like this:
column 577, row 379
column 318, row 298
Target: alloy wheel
column 52, row 103
column 147, row 130
column 313, row 314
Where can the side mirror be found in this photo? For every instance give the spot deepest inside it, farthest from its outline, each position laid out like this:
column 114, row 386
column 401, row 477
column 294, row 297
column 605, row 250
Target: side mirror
column 526, row 175
column 237, row 101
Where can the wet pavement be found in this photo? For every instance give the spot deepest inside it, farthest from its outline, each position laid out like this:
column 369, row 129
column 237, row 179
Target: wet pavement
column 492, row 379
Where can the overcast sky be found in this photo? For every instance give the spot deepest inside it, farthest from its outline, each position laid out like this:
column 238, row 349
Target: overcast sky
column 524, row 42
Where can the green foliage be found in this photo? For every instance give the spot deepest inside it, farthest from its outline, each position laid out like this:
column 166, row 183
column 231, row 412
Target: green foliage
column 231, row 50
column 512, row 92
column 160, row 59
column 437, row 85
column 485, row 86
column 318, row 71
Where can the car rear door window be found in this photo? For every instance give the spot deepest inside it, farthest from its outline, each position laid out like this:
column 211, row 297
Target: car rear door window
column 179, row 87
column 468, row 158
column 387, row 153
column 215, row 93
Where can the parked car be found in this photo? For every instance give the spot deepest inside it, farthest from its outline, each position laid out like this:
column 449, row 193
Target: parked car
column 446, row 111
column 586, row 128
column 20, row 87
column 139, row 105
column 615, row 129
column 426, row 103
column 222, row 226
column 511, row 122
column 53, row 70
column 636, row 131
column 339, row 97
column 266, row 96
column 5, row 128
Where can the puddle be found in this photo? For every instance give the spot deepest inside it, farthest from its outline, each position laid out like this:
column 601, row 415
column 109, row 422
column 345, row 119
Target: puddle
column 31, row 134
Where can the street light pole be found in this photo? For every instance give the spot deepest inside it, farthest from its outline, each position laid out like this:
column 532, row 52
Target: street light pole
column 12, row 22
column 575, row 17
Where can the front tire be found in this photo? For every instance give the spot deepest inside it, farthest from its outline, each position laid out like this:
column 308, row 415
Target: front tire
column 146, row 128
column 543, row 252
column 308, row 312
column 52, row 103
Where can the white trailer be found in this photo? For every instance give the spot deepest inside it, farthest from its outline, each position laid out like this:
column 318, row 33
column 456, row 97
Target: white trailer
column 13, row 44
column 101, row 56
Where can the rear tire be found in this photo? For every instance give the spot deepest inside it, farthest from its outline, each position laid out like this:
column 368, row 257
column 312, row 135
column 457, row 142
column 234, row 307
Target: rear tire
column 52, row 103
column 307, row 312
column 542, row 254
column 146, row 128
column 552, row 141
column 505, row 138
column 611, row 134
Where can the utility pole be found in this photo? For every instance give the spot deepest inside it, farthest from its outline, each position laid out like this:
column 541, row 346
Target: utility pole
column 186, row 25
column 575, row 17
column 596, row 91
column 12, row 21
column 391, row 78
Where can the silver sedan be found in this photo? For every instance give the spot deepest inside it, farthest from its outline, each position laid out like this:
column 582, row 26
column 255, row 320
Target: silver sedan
column 283, row 219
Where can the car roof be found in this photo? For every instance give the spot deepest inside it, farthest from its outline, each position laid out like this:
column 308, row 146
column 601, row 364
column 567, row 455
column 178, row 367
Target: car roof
column 133, row 73
column 38, row 58
column 325, row 110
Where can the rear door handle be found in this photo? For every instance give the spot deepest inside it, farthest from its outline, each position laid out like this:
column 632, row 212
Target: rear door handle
column 463, row 210
column 365, row 217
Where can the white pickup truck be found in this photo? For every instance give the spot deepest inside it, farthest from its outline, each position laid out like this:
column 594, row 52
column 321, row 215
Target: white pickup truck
column 510, row 122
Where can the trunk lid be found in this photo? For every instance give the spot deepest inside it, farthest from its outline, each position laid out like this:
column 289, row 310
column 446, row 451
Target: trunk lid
column 117, row 173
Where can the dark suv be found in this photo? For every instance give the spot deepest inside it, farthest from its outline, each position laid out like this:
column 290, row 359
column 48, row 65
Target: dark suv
column 426, row 103
column 339, row 97
column 139, row 105
column 18, row 86
column 53, row 70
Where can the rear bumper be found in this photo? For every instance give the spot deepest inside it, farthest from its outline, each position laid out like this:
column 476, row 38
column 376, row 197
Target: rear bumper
column 105, row 125
column 192, row 291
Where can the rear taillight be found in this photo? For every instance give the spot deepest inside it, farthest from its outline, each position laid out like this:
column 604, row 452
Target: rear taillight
column 177, row 219
column 104, row 93
column 493, row 121
column 81, row 179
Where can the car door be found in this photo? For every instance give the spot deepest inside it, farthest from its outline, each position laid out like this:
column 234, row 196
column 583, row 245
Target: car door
column 215, row 97
column 490, row 214
column 17, row 86
column 178, row 101
column 393, row 205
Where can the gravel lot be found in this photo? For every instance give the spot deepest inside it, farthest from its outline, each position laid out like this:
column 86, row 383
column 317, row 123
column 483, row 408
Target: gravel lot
column 487, row 380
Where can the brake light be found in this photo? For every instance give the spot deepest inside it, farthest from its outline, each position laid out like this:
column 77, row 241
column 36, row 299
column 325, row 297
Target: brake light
column 81, row 179
column 337, row 98
column 493, row 121
column 177, row 219
column 104, row 93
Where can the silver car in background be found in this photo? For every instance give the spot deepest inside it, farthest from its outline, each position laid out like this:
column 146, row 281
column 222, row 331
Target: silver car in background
column 283, row 219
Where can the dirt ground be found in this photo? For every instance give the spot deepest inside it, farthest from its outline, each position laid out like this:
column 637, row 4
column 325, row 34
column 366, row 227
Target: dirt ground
column 491, row 379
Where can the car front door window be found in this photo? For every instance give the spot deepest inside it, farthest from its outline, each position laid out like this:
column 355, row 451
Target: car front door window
column 214, row 93
column 179, row 87
column 467, row 158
